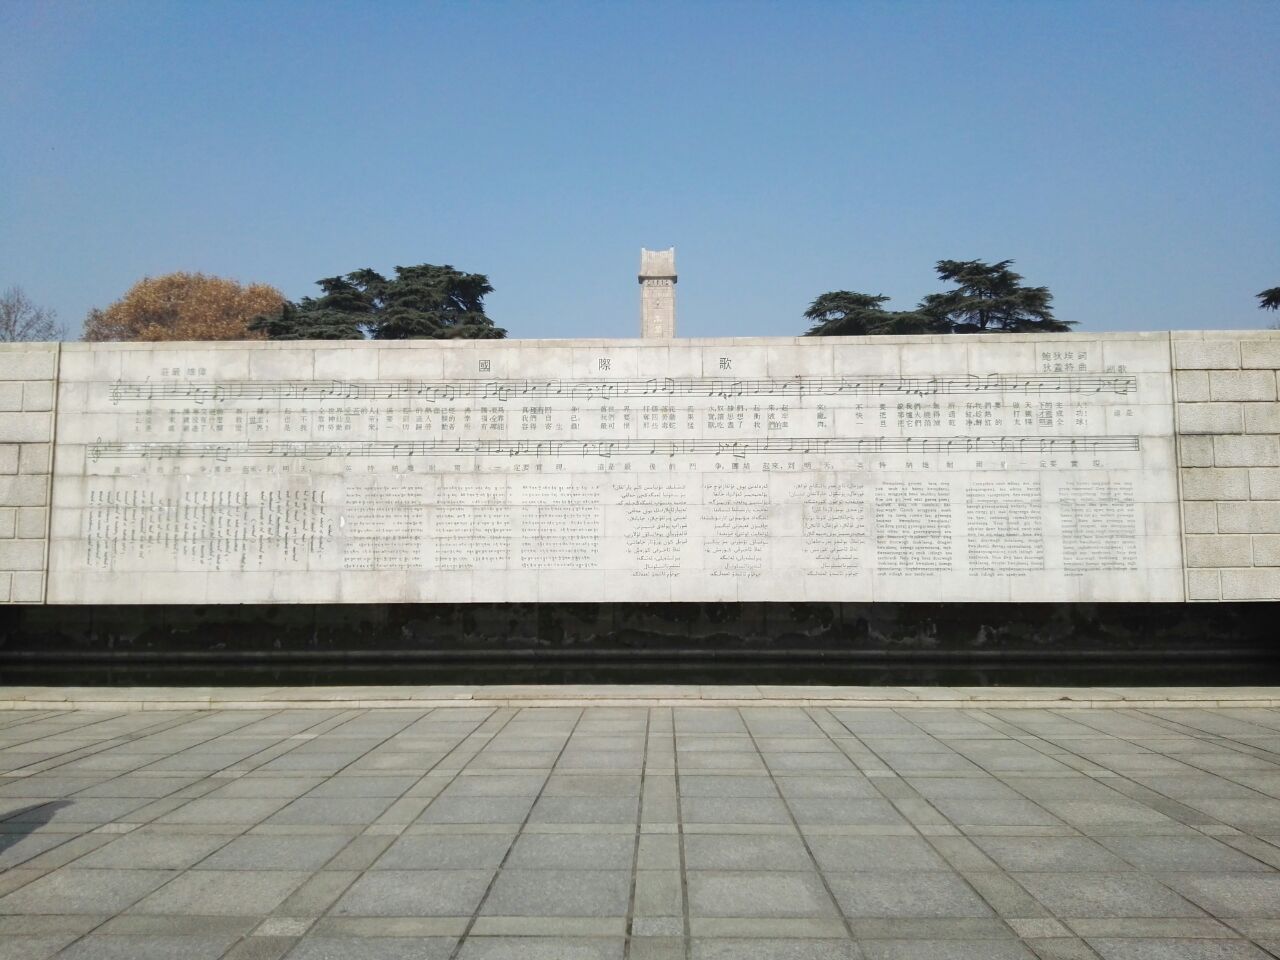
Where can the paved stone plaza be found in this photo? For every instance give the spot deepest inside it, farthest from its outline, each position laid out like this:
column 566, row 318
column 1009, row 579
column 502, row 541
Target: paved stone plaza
column 584, row 832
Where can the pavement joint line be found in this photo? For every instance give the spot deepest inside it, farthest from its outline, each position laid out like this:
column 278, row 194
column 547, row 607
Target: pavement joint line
column 1113, row 737
column 129, row 700
column 488, row 891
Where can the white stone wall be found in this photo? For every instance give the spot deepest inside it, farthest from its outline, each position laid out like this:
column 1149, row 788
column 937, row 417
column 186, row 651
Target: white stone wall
column 27, row 376
column 1228, row 417
column 992, row 468
column 984, row 468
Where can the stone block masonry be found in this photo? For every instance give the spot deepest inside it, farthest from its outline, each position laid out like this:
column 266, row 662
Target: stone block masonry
column 28, row 375
column 891, row 469
column 1076, row 468
column 1228, row 432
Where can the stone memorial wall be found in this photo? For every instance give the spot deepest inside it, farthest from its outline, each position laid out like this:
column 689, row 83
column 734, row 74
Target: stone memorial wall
column 979, row 468
column 27, row 379
column 1229, row 451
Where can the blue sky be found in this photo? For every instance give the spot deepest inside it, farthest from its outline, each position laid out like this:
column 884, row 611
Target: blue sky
column 1127, row 155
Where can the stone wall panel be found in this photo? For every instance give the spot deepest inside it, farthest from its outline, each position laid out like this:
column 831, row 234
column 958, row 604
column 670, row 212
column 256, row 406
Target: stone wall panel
column 27, row 382
column 892, row 468
column 1242, row 420
column 897, row 468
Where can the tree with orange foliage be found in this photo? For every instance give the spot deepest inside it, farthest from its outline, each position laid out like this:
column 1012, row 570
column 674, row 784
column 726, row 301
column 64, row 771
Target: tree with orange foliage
column 184, row 306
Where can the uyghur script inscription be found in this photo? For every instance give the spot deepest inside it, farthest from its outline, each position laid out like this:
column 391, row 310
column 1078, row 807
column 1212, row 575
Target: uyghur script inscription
column 777, row 477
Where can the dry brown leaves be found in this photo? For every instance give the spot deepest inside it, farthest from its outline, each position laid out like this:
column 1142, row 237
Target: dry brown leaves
column 184, row 306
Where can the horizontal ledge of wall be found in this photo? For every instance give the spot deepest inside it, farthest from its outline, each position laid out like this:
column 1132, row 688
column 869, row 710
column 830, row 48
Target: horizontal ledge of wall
column 703, row 654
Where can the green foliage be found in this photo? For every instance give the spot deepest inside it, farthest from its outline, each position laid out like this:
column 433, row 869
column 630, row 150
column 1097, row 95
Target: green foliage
column 988, row 297
column 421, row 302
column 1269, row 299
column 844, row 313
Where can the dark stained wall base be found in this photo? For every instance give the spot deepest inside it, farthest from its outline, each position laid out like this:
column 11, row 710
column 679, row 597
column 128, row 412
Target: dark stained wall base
column 631, row 630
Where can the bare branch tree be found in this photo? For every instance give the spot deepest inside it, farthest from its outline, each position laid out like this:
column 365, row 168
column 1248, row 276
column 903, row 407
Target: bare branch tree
column 20, row 319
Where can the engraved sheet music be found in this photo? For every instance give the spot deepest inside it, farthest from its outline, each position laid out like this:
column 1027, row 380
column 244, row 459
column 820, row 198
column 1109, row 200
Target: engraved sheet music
column 924, row 469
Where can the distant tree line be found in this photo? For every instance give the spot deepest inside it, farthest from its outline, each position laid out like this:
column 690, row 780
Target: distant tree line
column 986, row 298
column 433, row 302
column 22, row 320
column 420, row 302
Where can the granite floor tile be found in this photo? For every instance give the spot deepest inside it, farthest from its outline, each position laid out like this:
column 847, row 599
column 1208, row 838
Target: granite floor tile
column 414, row 893
column 496, row 810
column 962, row 788
column 726, row 785
column 1105, row 895
column 562, row 784
column 570, row 851
column 362, row 786
column 262, row 788
column 1051, row 854
column 446, row 851
column 855, row 854
column 1193, row 853
column 148, row 850
column 1173, row 949
column 26, row 947
column 346, row 810
column 559, row 893
column 946, row 950
column 225, row 811
column 757, row 894
column 994, row 812
column 96, row 947
column 275, row 853
column 18, row 848
column 741, row 763
column 1089, row 815
column 825, row 787
column 905, row 894
column 516, row 785
column 842, row 811
column 585, row 810
column 1064, row 822
column 542, row 948
column 373, row 948
column 734, row 810
column 222, row 893
column 1225, row 894
column 74, row 891
column 745, row 852
column 774, row 949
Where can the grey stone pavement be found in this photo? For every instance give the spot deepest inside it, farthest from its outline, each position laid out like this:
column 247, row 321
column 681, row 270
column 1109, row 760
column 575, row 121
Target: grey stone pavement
column 707, row 832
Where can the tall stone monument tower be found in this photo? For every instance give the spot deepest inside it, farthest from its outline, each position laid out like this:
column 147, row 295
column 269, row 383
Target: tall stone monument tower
column 657, row 293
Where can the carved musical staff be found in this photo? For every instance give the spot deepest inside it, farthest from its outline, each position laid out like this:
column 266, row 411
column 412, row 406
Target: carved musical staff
column 781, row 446
column 202, row 392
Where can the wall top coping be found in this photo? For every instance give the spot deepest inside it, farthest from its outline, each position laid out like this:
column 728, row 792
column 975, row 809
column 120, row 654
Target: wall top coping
column 677, row 343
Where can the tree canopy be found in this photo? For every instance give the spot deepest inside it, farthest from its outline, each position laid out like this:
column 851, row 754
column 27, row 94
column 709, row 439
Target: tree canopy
column 421, row 302
column 20, row 319
column 1269, row 299
column 988, row 297
column 844, row 313
column 184, row 306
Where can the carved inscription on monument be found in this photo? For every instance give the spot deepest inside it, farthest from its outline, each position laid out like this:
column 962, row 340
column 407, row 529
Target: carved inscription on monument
column 913, row 527
column 1005, row 520
column 965, row 468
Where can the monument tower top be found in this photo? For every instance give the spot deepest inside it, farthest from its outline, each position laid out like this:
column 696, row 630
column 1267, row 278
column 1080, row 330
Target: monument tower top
column 658, row 293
